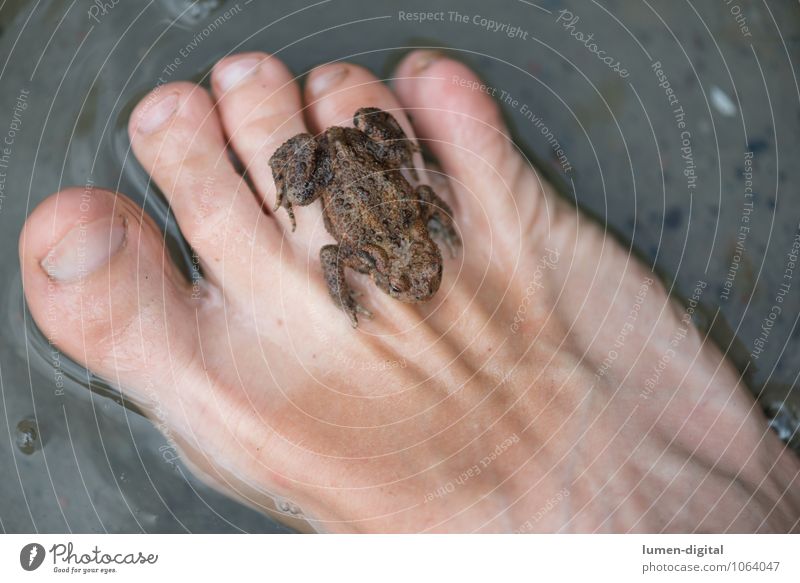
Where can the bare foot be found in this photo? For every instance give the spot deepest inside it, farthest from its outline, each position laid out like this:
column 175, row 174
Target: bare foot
column 521, row 398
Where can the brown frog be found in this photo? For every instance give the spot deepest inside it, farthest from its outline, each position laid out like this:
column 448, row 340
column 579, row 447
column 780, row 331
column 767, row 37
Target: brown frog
column 382, row 224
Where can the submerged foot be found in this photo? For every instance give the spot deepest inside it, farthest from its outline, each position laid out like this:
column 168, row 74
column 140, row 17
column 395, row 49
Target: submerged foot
column 271, row 394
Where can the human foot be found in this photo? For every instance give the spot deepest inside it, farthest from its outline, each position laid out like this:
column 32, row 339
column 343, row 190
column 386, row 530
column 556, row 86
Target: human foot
column 497, row 406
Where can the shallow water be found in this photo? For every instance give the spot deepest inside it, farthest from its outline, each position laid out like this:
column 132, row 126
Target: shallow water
column 75, row 460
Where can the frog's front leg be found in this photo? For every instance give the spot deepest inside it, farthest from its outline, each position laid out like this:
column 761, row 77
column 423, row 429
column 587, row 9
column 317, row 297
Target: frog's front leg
column 293, row 166
column 392, row 145
column 334, row 259
column 438, row 216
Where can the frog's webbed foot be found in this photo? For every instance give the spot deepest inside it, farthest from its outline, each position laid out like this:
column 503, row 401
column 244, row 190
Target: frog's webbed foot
column 392, row 145
column 293, row 166
column 334, row 259
column 439, row 218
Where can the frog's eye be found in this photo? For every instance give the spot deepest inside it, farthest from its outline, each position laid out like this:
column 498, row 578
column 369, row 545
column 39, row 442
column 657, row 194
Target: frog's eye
column 394, row 288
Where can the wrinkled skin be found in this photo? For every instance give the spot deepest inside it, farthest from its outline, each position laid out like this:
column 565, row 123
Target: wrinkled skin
column 379, row 221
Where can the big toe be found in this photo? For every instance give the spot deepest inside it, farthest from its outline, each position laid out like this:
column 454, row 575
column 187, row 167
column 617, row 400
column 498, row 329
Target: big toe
column 101, row 287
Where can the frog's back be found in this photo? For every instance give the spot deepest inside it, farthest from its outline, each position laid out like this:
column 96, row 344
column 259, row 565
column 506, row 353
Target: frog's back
column 365, row 201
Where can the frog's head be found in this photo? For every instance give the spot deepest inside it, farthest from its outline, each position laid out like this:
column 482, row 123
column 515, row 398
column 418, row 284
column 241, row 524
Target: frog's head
column 410, row 275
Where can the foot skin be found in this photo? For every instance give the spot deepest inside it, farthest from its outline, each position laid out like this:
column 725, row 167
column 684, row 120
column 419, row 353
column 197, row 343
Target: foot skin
column 524, row 384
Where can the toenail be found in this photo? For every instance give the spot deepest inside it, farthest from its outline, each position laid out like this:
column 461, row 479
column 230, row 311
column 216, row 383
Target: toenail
column 230, row 73
column 424, row 60
column 327, row 79
column 154, row 114
column 85, row 248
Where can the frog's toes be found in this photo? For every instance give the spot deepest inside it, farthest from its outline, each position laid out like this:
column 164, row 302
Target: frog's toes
column 352, row 308
column 364, row 311
column 292, row 220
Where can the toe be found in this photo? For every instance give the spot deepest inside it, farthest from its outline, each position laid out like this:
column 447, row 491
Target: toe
column 260, row 106
column 177, row 136
column 101, row 287
column 335, row 91
column 458, row 119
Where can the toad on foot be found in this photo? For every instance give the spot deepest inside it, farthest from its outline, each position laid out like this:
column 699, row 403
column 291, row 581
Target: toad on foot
column 383, row 225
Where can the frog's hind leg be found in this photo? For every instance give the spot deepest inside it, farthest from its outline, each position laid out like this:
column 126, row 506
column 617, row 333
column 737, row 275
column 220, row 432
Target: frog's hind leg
column 393, row 146
column 334, row 259
column 438, row 216
column 293, row 167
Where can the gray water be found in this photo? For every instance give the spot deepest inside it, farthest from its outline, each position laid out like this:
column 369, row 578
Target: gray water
column 75, row 460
